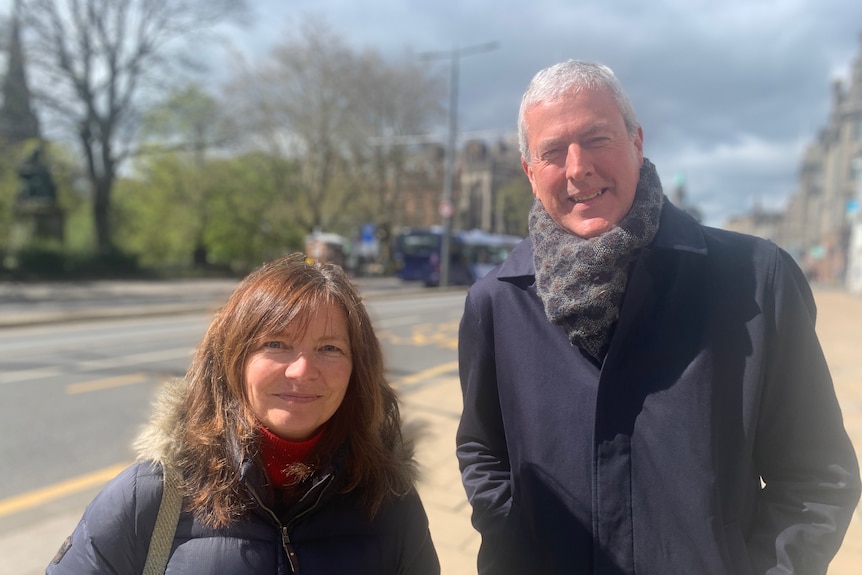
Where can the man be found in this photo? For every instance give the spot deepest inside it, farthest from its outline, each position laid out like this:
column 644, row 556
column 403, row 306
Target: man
column 642, row 394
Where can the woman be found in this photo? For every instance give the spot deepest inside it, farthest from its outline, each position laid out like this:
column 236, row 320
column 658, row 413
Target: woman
column 286, row 442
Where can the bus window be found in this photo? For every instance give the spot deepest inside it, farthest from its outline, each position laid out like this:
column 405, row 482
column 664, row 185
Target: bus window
column 472, row 254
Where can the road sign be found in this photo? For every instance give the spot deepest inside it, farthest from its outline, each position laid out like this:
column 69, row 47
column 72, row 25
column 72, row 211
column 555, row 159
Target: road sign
column 446, row 210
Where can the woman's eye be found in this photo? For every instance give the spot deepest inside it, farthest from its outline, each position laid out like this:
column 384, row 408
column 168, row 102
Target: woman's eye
column 330, row 349
column 274, row 345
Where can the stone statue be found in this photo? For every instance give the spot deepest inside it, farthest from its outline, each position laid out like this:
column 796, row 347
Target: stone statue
column 35, row 181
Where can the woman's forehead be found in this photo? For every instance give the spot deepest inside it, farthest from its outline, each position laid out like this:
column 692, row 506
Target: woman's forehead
column 327, row 315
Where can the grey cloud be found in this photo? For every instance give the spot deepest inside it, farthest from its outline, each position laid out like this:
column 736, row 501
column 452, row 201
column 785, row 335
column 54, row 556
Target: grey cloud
column 728, row 93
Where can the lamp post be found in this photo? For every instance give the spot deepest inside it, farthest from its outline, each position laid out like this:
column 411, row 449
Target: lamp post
column 854, row 220
column 446, row 208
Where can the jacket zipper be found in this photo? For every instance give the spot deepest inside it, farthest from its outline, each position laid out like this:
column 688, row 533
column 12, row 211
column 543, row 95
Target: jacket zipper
column 292, row 559
column 284, row 530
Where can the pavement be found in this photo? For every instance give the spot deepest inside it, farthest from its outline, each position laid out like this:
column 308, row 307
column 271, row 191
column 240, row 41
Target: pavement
column 24, row 303
column 432, row 408
column 435, row 405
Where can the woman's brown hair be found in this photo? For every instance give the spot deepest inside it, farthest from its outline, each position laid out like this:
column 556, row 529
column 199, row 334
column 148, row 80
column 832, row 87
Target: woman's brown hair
column 220, row 431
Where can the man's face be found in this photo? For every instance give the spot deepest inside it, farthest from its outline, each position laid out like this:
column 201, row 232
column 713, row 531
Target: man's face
column 584, row 166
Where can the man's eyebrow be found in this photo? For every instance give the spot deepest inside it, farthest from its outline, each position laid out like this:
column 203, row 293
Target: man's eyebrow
column 595, row 129
column 550, row 143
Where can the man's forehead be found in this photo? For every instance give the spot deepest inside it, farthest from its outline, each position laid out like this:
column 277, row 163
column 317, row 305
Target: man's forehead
column 600, row 111
column 565, row 132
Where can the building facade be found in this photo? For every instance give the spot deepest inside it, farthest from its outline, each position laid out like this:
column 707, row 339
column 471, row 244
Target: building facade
column 484, row 169
column 817, row 227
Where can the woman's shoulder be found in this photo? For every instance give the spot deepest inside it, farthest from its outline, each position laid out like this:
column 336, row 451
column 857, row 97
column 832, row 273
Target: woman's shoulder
column 132, row 496
column 402, row 510
column 113, row 522
column 136, row 479
column 408, row 518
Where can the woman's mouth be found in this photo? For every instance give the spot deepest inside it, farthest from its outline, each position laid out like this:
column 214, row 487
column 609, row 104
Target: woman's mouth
column 296, row 398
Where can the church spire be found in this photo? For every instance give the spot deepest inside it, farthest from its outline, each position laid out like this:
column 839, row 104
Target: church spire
column 18, row 122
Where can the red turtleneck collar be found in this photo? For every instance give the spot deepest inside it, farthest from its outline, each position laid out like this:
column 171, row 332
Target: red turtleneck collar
column 278, row 453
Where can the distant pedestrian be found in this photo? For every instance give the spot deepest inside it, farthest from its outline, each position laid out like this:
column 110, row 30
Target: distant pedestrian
column 283, row 443
column 642, row 394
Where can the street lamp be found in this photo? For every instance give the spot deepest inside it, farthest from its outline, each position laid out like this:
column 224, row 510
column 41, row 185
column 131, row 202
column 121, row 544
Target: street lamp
column 854, row 219
column 446, row 209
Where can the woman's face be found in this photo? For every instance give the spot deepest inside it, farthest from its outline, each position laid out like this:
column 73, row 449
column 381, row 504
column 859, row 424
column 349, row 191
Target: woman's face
column 295, row 380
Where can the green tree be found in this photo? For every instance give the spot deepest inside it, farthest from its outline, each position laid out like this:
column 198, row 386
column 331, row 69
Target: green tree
column 245, row 222
column 191, row 123
column 252, row 221
column 155, row 211
column 8, row 194
column 514, row 200
column 96, row 61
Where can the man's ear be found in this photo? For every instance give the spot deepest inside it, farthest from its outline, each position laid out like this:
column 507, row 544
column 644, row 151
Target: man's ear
column 529, row 171
column 639, row 144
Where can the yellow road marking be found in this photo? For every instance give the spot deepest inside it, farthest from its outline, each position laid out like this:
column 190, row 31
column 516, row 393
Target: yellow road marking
column 58, row 490
column 109, row 383
column 431, row 372
column 76, row 484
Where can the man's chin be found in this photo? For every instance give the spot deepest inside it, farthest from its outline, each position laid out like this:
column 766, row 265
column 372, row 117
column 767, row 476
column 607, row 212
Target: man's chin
column 587, row 228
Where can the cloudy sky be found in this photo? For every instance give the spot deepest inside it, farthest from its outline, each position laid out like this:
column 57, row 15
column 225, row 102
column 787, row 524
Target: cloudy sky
column 728, row 93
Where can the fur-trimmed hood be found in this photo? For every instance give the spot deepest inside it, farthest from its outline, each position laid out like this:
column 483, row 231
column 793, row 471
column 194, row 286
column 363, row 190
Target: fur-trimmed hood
column 160, row 440
column 113, row 535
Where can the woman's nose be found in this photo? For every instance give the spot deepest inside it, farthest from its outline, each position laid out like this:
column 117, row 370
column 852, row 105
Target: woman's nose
column 302, row 365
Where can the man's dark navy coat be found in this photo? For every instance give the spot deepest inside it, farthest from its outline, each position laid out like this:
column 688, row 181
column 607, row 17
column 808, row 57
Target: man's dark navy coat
column 710, row 440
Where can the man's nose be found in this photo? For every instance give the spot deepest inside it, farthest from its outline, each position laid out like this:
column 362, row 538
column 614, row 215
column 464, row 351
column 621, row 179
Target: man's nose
column 578, row 163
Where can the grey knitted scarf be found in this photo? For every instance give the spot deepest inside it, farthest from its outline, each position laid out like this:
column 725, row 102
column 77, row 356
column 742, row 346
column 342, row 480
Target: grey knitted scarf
column 582, row 281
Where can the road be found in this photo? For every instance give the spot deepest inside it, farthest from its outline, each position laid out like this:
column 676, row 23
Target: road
column 96, row 380
column 74, row 395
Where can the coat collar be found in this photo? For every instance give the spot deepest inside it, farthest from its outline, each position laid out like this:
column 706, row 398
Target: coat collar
column 677, row 231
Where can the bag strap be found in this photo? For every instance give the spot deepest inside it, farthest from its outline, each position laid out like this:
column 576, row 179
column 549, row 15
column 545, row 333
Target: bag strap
column 166, row 524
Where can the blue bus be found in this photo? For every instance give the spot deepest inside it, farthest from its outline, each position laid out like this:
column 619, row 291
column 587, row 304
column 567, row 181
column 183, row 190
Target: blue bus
column 472, row 254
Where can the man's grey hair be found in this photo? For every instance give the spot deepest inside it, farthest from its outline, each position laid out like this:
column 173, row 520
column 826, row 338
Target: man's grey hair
column 550, row 84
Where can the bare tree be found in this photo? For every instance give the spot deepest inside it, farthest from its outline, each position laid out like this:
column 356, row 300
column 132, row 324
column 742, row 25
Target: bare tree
column 189, row 119
column 334, row 110
column 396, row 102
column 307, row 85
column 94, row 62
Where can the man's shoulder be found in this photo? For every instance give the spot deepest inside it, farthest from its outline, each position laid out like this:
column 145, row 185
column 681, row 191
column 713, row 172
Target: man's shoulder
column 516, row 270
column 719, row 240
column 679, row 230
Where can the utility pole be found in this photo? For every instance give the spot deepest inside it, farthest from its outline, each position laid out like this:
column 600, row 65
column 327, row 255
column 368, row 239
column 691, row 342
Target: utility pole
column 446, row 208
column 854, row 249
